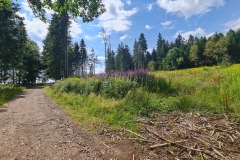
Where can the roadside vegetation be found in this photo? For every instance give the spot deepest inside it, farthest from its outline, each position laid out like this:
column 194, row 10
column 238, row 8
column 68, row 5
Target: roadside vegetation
column 118, row 99
column 7, row 92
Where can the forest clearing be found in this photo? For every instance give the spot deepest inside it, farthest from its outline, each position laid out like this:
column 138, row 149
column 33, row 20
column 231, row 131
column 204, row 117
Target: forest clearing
column 141, row 121
column 156, row 79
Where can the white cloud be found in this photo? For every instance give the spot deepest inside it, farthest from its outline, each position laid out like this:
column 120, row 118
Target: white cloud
column 148, row 26
column 149, row 50
column 101, row 58
column 168, row 24
column 100, row 69
column 36, row 29
column 87, row 37
column 26, row 7
column 75, row 29
column 188, row 8
column 123, row 37
column 196, row 33
column 128, row 2
column 149, row 6
column 116, row 18
column 233, row 24
column 210, row 34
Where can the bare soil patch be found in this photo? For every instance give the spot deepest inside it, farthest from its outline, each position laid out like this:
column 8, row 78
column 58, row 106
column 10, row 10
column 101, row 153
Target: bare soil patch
column 32, row 127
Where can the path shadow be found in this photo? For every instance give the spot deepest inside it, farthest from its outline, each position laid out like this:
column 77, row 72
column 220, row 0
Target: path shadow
column 19, row 96
column 3, row 110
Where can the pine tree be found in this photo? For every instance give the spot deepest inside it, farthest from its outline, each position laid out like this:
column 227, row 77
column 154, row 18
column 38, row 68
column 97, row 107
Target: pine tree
column 154, row 55
column 76, row 60
column 83, row 58
column 12, row 40
column 142, row 42
column 55, row 47
column 110, row 64
column 161, row 50
column 31, row 64
column 136, row 55
column 123, row 60
column 179, row 41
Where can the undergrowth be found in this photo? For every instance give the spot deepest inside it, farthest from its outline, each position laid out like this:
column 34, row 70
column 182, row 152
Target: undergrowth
column 7, row 92
column 117, row 101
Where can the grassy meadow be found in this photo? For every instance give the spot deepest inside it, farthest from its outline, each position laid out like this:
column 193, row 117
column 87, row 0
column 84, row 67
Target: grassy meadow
column 117, row 100
column 7, row 92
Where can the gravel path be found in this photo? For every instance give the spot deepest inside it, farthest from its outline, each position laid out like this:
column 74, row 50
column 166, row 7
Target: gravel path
column 32, row 127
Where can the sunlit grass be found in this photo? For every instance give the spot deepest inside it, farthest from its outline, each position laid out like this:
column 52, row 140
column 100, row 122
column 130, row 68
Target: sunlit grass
column 7, row 92
column 207, row 89
column 118, row 103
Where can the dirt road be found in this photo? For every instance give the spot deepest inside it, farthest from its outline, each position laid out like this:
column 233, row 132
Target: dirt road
column 32, row 127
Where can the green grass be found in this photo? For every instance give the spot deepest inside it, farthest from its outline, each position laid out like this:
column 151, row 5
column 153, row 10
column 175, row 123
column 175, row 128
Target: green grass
column 118, row 103
column 207, row 89
column 8, row 92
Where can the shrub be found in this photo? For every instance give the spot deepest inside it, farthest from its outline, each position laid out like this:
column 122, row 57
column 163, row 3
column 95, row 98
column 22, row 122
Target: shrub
column 7, row 92
column 115, row 87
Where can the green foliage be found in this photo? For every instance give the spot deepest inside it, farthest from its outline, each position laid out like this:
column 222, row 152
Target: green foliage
column 140, row 47
column 54, row 50
column 123, row 60
column 5, row 3
column 19, row 56
column 78, row 86
column 118, row 101
column 115, row 87
column 7, row 92
column 110, row 62
column 108, row 88
column 141, row 103
column 152, row 66
column 173, row 60
column 87, row 10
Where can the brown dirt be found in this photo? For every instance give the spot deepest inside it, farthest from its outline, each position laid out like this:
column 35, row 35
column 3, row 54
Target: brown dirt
column 32, row 127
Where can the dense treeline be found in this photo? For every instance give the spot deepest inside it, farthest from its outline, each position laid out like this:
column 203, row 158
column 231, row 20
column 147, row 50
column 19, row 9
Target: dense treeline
column 218, row 49
column 63, row 59
column 20, row 61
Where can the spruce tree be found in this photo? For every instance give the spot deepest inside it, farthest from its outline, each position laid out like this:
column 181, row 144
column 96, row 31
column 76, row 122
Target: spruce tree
column 83, row 57
column 55, row 47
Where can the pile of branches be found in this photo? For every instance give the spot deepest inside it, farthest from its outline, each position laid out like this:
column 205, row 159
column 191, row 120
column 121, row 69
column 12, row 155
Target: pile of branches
column 190, row 136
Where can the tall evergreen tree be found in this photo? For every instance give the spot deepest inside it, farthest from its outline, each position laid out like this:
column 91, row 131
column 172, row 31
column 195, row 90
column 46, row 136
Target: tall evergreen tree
column 161, row 50
column 123, row 60
column 31, row 64
column 179, row 41
column 83, row 57
column 12, row 40
column 110, row 64
column 55, row 47
column 76, row 60
column 142, row 42
column 136, row 55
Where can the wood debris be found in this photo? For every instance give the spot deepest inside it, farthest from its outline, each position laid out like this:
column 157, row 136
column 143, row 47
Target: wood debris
column 189, row 136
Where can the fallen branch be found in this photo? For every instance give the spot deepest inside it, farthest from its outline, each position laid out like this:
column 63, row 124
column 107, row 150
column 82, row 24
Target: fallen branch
column 217, row 152
column 136, row 134
column 171, row 142
column 163, row 144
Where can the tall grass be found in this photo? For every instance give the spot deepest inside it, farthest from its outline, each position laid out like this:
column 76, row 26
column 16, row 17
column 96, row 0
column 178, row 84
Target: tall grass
column 117, row 99
column 207, row 89
column 7, row 92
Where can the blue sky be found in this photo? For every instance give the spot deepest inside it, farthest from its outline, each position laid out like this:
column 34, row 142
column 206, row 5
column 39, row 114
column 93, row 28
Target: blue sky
column 126, row 19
